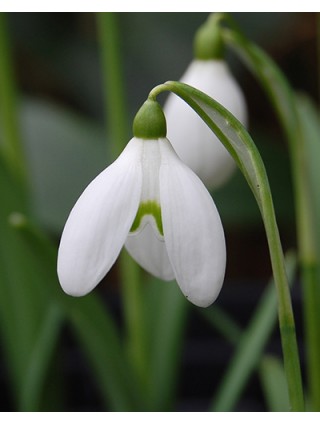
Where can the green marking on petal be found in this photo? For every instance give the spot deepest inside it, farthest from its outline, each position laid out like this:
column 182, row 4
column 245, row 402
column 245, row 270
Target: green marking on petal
column 148, row 208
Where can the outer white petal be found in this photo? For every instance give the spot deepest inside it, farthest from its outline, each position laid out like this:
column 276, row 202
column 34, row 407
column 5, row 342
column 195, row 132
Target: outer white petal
column 192, row 229
column 150, row 252
column 99, row 223
column 193, row 141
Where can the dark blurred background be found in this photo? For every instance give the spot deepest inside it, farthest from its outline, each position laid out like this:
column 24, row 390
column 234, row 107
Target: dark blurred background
column 59, row 76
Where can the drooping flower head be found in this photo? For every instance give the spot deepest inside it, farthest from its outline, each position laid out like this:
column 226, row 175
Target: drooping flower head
column 193, row 141
column 151, row 202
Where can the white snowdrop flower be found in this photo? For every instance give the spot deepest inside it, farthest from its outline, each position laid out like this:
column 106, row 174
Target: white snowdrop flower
column 151, row 202
column 191, row 138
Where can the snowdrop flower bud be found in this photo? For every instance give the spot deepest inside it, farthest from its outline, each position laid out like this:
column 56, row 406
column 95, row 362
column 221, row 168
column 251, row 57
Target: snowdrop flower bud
column 193, row 141
column 151, row 202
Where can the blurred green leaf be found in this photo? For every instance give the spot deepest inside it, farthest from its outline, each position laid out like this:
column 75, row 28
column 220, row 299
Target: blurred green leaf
column 166, row 310
column 28, row 287
column 270, row 77
column 309, row 118
column 250, row 345
column 223, row 322
column 23, row 296
column 309, row 121
column 274, row 384
column 10, row 145
column 64, row 151
column 40, row 361
column 93, row 325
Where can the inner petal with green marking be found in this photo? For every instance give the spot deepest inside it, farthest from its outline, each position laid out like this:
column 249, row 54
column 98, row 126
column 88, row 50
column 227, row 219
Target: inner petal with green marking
column 148, row 209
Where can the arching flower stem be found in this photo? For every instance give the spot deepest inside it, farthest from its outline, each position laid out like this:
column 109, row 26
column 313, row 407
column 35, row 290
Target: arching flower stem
column 240, row 145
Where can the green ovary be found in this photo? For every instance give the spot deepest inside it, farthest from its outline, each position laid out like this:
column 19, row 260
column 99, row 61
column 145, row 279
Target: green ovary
column 148, row 208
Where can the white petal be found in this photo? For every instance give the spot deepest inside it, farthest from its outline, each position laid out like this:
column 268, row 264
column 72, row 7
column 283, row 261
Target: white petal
column 193, row 231
column 146, row 244
column 149, row 250
column 99, row 223
column 193, row 141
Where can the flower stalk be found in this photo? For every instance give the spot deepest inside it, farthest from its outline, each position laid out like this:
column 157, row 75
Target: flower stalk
column 281, row 96
column 116, row 119
column 10, row 143
column 243, row 150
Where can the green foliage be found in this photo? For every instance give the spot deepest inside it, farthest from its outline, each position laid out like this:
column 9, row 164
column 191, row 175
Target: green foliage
column 274, row 384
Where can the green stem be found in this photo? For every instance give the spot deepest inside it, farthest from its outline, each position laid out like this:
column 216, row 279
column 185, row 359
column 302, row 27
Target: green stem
column 308, row 248
column 10, row 144
column 134, row 316
column 318, row 52
column 310, row 278
column 281, row 97
column 309, row 264
column 250, row 162
column 116, row 117
column 114, row 94
column 285, row 312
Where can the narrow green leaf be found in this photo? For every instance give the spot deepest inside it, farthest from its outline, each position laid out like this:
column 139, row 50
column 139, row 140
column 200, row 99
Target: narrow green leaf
column 40, row 360
column 274, row 385
column 10, row 143
column 92, row 324
column 222, row 322
column 99, row 340
column 297, row 132
column 269, row 75
column 22, row 295
column 166, row 311
column 309, row 120
column 250, row 345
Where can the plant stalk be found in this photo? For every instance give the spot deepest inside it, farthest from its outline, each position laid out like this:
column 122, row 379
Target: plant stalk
column 262, row 192
column 117, row 124
column 282, row 98
column 285, row 312
column 10, row 143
